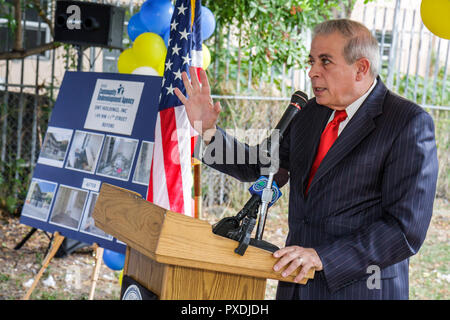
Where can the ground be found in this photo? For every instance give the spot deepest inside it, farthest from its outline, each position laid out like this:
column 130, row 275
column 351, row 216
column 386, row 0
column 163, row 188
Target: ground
column 429, row 268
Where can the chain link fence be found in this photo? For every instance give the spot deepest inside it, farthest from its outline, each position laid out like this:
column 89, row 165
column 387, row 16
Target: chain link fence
column 415, row 65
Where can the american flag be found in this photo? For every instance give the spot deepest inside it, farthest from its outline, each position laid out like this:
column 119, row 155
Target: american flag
column 170, row 174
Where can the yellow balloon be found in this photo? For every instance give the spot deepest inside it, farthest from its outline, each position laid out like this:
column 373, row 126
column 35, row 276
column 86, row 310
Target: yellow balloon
column 161, row 67
column 206, row 57
column 436, row 17
column 127, row 61
column 149, row 49
column 120, row 277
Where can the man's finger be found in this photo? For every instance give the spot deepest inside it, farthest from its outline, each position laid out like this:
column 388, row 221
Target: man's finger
column 187, row 84
column 205, row 82
column 194, row 79
column 303, row 272
column 285, row 259
column 180, row 96
column 283, row 251
column 292, row 267
column 217, row 107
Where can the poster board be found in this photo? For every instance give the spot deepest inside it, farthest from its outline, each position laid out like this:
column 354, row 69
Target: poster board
column 101, row 130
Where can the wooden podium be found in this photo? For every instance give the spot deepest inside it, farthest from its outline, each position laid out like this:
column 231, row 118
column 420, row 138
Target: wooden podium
column 179, row 257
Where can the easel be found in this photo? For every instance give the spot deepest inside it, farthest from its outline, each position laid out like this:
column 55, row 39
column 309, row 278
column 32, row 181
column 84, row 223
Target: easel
column 56, row 243
column 57, row 239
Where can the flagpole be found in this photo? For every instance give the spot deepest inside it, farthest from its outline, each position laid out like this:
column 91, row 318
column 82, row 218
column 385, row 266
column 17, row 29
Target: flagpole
column 197, row 188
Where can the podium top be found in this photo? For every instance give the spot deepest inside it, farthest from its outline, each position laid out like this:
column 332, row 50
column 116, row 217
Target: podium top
column 172, row 238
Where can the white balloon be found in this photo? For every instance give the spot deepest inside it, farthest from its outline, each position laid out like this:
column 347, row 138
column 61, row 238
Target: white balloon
column 149, row 71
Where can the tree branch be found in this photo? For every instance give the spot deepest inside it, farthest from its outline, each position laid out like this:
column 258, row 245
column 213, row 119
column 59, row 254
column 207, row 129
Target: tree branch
column 19, row 54
column 43, row 16
column 18, row 40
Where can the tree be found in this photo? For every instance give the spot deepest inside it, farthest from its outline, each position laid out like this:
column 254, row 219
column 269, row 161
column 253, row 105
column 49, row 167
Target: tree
column 12, row 11
column 270, row 32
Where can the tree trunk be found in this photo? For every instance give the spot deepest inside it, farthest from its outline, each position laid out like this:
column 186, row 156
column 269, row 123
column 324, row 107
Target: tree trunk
column 18, row 39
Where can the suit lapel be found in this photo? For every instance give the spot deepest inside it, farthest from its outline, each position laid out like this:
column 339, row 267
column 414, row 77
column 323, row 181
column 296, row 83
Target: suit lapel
column 361, row 125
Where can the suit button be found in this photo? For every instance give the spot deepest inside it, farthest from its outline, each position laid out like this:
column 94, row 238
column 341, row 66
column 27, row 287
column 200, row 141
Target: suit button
column 306, row 220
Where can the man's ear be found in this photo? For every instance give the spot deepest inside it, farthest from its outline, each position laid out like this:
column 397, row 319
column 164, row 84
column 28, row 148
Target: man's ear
column 362, row 68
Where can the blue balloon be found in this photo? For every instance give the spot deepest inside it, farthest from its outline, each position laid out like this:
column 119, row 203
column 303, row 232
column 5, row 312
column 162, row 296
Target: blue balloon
column 208, row 23
column 113, row 260
column 156, row 15
column 135, row 27
column 166, row 37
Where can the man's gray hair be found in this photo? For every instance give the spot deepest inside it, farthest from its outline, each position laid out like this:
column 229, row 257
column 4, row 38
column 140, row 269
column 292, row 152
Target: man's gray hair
column 361, row 43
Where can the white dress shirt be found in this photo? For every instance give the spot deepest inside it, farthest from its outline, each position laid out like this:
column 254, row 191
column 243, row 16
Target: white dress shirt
column 352, row 108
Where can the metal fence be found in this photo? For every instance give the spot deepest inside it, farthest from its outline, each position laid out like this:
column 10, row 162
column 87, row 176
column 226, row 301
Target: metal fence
column 415, row 65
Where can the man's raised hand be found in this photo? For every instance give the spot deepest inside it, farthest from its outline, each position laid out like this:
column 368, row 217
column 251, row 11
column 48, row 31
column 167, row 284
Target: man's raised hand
column 200, row 108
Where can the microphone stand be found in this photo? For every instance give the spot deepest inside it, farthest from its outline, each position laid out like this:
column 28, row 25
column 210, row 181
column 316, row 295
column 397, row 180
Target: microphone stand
column 240, row 227
column 265, row 200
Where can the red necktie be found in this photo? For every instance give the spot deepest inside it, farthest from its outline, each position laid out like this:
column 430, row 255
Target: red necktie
column 329, row 135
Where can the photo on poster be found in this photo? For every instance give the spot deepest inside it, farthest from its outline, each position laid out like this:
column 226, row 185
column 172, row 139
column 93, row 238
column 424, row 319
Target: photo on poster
column 68, row 207
column 117, row 157
column 144, row 162
column 88, row 223
column 84, row 151
column 54, row 148
column 39, row 199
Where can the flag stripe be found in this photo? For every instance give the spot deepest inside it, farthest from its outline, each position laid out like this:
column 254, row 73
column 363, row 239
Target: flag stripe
column 172, row 160
column 157, row 173
column 184, row 146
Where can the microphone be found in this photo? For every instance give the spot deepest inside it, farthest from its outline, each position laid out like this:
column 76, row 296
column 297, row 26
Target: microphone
column 260, row 184
column 298, row 102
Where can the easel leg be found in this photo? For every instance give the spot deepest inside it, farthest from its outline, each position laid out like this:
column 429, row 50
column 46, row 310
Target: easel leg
column 98, row 264
column 25, row 239
column 57, row 240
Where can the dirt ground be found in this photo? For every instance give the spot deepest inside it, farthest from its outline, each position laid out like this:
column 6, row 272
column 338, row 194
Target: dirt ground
column 429, row 269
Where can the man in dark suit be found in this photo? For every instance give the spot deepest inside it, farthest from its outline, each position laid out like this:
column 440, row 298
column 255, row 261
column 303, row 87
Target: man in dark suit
column 363, row 168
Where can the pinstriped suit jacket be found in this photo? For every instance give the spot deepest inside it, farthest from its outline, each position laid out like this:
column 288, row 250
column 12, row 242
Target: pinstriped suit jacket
column 370, row 201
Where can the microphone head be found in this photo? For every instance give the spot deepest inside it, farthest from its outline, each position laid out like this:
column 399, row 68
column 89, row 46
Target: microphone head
column 299, row 99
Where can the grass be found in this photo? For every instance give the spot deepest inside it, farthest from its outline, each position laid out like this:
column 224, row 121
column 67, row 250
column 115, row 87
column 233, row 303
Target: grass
column 429, row 271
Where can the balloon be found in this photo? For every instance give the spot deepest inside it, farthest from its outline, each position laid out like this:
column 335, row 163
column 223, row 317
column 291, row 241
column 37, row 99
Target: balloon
column 166, row 37
column 120, row 277
column 149, row 71
column 156, row 15
column 161, row 68
column 127, row 61
column 135, row 27
column 206, row 57
column 150, row 50
column 208, row 23
column 113, row 260
column 436, row 17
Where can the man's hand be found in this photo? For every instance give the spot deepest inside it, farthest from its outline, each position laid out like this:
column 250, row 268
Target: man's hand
column 200, row 109
column 297, row 256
